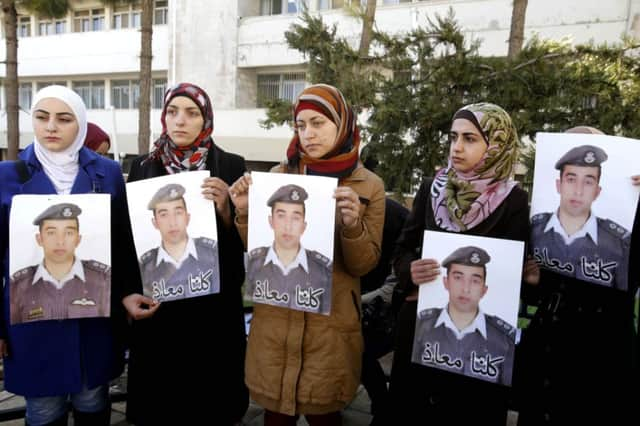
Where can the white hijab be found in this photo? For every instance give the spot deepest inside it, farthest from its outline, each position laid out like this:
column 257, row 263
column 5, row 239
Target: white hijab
column 62, row 167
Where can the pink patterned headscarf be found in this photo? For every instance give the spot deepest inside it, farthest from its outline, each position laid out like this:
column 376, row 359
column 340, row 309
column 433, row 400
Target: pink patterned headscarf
column 461, row 201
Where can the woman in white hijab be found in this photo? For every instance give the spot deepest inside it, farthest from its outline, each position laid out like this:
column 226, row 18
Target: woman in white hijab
column 60, row 127
column 53, row 362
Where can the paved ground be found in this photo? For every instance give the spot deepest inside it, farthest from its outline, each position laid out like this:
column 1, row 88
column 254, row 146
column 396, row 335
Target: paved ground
column 356, row 414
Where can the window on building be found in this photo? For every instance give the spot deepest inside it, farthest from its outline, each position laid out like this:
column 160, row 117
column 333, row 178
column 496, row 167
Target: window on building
column 42, row 84
column 120, row 18
column 270, row 7
column 158, row 89
column 126, row 16
column 49, row 27
column 278, row 7
column 295, row 6
column 279, row 86
column 97, row 19
column 24, row 96
column 136, row 18
column 160, row 12
column 125, row 94
column 88, row 20
column 60, row 27
column 330, row 4
column 81, row 21
column 91, row 92
column 24, row 26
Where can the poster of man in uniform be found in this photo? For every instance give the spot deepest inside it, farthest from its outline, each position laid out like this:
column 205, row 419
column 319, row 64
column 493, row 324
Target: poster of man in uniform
column 291, row 232
column 467, row 317
column 175, row 234
column 61, row 263
column 583, row 206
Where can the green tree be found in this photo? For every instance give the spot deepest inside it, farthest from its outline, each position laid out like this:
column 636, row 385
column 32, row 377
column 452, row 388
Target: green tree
column 332, row 60
column 434, row 70
column 416, row 81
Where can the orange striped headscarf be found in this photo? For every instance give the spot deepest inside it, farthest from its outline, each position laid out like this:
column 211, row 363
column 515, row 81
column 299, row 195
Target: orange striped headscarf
column 343, row 158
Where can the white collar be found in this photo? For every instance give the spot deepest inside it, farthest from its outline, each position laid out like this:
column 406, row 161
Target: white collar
column 189, row 250
column 478, row 323
column 590, row 227
column 301, row 259
column 77, row 270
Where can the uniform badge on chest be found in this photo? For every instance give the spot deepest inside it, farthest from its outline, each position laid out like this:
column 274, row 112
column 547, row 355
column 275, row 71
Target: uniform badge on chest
column 36, row 313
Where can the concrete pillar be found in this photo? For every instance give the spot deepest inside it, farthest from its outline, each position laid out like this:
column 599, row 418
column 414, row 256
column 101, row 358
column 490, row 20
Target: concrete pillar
column 203, row 47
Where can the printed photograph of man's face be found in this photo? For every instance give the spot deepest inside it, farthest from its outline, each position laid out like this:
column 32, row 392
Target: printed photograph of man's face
column 171, row 219
column 581, row 229
column 287, row 220
column 58, row 274
column 466, row 318
column 175, row 233
column 289, row 258
column 59, row 239
column 466, row 287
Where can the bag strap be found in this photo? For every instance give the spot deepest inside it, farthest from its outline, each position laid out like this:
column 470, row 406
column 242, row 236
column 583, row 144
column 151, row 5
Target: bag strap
column 23, row 171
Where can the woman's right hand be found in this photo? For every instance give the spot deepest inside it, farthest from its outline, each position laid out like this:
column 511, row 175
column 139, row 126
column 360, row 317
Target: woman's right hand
column 134, row 304
column 239, row 192
column 424, row 271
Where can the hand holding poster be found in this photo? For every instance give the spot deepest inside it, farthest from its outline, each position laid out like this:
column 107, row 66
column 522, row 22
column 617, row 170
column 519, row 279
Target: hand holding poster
column 291, row 228
column 466, row 317
column 64, row 267
column 174, row 230
column 579, row 226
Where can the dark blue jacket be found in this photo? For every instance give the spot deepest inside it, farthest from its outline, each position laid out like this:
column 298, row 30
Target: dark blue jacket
column 50, row 357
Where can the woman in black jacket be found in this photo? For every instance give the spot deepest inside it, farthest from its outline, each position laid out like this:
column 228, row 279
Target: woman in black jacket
column 476, row 195
column 580, row 349
column 180, row 347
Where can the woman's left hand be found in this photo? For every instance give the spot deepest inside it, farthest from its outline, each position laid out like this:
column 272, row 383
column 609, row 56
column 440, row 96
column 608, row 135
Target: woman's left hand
column 217, row 190
column 531, row 272
column 348, row 204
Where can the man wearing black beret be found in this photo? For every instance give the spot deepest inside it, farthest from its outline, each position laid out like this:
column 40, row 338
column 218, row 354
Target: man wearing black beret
column 181, row 266
column 62, row 286
column 286, row 274
column 460, row 338
column 572, row 240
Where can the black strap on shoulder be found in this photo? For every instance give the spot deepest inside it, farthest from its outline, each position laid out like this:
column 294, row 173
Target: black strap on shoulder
column 23, row 171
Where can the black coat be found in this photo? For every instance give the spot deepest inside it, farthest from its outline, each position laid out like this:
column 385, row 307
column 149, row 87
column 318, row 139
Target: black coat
column 394, row 216
column 197, row 343
column 580, row 351
column 424, row 395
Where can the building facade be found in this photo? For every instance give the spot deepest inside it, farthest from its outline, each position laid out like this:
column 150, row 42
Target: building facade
column 237, row 51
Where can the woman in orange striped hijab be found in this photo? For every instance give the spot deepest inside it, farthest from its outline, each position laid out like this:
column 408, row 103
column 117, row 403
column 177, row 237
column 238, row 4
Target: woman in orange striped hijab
column 302, row 363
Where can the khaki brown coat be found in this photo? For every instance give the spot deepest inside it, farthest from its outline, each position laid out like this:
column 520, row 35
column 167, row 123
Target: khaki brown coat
column 304, row 363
